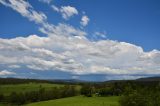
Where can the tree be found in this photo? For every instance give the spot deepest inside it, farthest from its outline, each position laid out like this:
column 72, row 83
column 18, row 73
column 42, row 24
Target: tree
column 87, row 90
column 134, row 99
column 1, row 97
column 105, row 91
column 141, row 96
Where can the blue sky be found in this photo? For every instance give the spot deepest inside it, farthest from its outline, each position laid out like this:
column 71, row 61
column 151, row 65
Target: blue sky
column 134, row 21
column 131, row 25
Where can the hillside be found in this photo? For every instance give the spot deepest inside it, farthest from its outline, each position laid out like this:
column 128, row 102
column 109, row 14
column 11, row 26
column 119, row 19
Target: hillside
column 80, row 101
column 149, row 79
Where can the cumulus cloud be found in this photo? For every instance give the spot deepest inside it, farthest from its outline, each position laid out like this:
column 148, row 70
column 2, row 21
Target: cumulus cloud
column 66, row 11
column 67, row 49
column 84, row 20
column 78, row 55
column 5, row 72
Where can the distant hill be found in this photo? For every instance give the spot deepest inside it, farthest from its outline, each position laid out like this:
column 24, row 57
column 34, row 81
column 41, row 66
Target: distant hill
column 67, row 80
column 21, row 81
column 149, row 79
column 53, row 81
column 72, row 81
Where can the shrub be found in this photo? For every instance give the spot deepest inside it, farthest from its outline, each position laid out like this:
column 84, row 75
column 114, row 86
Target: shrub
column 87, row 90
column 141, row 97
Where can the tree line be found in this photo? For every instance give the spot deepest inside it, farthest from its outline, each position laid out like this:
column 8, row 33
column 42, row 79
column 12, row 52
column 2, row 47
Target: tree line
column 5, row 81
column 141, row 96
column 132, row 93
column 41, row 95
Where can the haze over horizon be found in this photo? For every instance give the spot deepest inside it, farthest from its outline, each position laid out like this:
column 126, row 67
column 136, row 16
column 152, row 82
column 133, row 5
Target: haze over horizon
column 67, row 39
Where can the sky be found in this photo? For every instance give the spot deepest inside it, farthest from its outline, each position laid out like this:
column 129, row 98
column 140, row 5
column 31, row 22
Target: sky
column 82, row 39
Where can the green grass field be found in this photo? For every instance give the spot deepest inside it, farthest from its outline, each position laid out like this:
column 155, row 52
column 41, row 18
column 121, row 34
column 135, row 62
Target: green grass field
column 7, row 89
column 80, row 101
column 70, row 101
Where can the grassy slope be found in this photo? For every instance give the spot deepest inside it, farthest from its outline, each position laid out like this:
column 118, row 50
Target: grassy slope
column 7, row 89
column 80, row 101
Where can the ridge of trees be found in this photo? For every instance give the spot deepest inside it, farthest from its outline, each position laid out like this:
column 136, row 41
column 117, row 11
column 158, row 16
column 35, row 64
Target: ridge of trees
column 40, row 95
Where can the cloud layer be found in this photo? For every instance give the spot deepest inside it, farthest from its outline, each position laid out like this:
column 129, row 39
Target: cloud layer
column 78, row 55
column 67, row 49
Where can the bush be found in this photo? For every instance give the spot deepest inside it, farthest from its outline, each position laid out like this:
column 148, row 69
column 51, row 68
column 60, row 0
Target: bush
column 134, row 99
column 15, row 98
column 105, row 92
column 141, row 97
column 87, row 90
column 1, row 97
column 40, row 95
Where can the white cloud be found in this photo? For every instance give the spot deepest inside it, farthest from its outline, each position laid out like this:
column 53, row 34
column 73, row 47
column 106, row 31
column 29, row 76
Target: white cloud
column 55, row 8
column 14, row 66
column 5, row 72
column 75, row 77
column 100, row 34
column 26, row 10
column 78, row 55
column 66, row 11
column 124, row 77
column 46, row 1
column 67, row 49
column 84, row 20
column 61, row 30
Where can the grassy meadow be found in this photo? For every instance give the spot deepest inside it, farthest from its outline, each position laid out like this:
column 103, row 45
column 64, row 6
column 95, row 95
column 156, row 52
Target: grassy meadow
column 40, row 93
column 80, row 101
column 9, row 88
column 6, row 89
